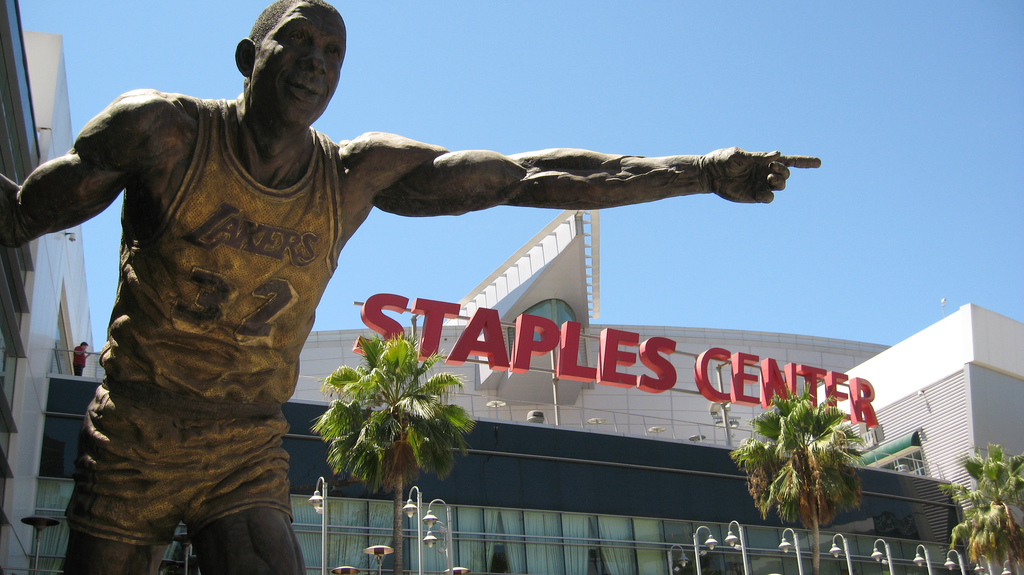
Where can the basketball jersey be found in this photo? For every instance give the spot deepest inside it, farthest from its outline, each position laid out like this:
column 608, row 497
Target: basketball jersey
column 218, row 301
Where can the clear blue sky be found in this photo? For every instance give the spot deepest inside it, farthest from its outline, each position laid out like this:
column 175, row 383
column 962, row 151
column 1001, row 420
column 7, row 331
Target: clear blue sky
column 916, row 109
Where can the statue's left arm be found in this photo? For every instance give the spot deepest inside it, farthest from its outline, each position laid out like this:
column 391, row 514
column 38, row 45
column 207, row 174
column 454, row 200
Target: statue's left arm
column 458, row 182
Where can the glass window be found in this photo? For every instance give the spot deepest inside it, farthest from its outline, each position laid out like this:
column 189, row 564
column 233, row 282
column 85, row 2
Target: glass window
column 544, row 551
column 60, row 446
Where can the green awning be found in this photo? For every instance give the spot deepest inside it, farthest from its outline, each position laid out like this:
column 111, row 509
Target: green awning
column 891, row 450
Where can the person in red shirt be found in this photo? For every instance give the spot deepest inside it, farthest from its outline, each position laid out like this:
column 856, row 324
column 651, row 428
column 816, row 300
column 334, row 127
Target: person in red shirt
column 80, row 355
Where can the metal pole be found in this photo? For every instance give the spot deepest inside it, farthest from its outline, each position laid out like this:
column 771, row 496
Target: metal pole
column 696, row 546
column 960, row 560
column 419, row 531
column 448, row 550
column 682, row 552
column 743, row 541
column 846, row 551
column 927, row 560
column 323, row 528
column 877, row 555
column 796, row 543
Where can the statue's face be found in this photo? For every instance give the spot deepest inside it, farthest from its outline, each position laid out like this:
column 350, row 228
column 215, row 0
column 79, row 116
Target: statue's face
column 298, row 64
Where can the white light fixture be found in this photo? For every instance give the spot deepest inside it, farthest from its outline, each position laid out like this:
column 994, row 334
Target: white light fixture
column 785, row 546
column 596, row 420
column 318, row 502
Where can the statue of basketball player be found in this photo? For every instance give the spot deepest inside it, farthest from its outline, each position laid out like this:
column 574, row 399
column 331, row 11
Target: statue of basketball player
column 234, row 215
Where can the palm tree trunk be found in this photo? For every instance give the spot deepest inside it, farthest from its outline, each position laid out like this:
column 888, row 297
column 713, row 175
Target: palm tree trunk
column 397, row 541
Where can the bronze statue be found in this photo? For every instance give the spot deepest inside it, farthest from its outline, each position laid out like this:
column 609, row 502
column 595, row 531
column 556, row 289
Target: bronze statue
column 234, row 215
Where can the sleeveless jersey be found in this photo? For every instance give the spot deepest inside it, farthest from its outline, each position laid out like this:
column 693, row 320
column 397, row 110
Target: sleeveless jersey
column 217, row 303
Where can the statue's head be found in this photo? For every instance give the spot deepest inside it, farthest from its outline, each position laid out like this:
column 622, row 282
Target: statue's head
column 292, row 59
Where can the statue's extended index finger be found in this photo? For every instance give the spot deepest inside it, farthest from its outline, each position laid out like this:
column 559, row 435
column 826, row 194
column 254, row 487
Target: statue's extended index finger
column 800, row 161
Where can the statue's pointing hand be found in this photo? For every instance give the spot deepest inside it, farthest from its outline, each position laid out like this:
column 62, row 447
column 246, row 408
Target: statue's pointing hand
column 750, row 177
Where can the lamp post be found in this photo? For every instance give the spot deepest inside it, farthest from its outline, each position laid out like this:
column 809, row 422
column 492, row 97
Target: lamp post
column 959, row 561
column 39, row 523
column 430, row 539
column 877, row 555
column 926, row 560
column 319, row 503
column 682, row 558
column 446, row 529
column 785, row 545
column 732, row 540
column 379, row 551
column 846, row 550
column 415, row 509
column 710, row 542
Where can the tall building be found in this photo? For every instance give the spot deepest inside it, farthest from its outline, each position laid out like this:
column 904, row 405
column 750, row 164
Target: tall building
column 44, row 309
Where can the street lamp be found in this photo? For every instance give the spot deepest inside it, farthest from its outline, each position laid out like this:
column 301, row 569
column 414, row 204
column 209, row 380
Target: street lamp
column 379, row 551
column 785, row 545
column 710, row 542
column 672, row 570
column 39, row 523
column 741, row 542
column 414, row 509
column 846, row 550
column 319, row 503
column 430, row 539
column 926, row 560
column 949, row 564
column 877, row 555
column 430, row 520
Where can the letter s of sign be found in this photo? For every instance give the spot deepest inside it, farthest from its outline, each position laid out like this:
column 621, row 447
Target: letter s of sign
column 372, row 313
column 650, row 355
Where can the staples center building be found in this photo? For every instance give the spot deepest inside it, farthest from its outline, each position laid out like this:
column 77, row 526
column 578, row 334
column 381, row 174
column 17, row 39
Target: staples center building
column 612, row 455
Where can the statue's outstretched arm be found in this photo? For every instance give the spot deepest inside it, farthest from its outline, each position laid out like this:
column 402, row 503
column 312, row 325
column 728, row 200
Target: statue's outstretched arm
column 458, row 182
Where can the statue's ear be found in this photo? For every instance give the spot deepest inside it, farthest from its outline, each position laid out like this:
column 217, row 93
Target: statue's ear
column 245, row 57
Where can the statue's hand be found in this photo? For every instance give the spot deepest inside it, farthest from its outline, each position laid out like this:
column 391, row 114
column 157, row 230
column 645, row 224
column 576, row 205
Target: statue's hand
column 750, row 177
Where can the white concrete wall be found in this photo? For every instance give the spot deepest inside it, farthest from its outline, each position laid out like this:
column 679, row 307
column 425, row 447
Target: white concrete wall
column 58, row 279
column 972, row 334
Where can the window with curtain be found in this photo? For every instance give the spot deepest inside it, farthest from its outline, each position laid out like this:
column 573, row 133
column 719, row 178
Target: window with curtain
column 544, row 551
column 617, row 550
column 576, row 532
column 472, row 551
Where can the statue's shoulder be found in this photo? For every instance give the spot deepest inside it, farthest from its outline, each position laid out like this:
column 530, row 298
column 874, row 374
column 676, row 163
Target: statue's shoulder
column 155, row 105
column 141, row 126
column 374, row 146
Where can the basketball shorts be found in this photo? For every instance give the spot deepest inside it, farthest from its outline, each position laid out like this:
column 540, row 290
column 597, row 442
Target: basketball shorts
column 149, row 460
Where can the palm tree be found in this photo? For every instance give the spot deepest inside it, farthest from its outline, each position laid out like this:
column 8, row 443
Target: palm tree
column 805, row 468
column 990, row 527
column 388, row 420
